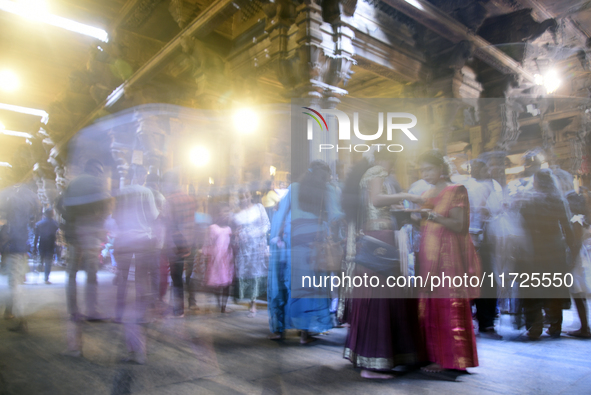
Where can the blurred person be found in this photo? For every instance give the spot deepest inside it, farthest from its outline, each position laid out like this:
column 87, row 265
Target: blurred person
column 179, row 216
column 581, row 288
column 159, row 229
column 199, row 276
column 483, row 194
column 383, row 331
column 84, row 207
column 45, row 239
column 304, row 212
column 219, row 256
column 135, row 214
column 19, row 204
column 546, row 221
column 251, row 224
column 445, row 313
column 351, row 203
column 270, row 199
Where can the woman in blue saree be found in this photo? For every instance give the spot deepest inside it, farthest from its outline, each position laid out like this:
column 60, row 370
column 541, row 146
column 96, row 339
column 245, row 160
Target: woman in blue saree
column 301, row 215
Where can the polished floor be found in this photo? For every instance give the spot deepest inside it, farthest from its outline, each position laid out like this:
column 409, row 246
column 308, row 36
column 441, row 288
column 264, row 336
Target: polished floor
column 210, row 353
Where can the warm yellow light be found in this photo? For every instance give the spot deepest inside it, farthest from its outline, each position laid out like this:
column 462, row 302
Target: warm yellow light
column 35, row 7
column 272, row 170
column 8, row 81
column 199, row 156
column 2, row 126
column 37, row 11
column 246, row 120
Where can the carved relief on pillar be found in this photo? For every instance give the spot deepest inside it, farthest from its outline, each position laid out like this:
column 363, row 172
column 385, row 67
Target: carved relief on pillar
column 548, row 140
column 151, row 137
column 444, row 116
column 121, row 151
column 318, row 55
column 510, row 131
column 183, row 11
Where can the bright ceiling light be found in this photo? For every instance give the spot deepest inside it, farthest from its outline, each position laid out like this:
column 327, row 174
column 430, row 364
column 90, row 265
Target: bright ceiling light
column 8, row 81
column 550, row 81
column 24, row 110
column 2, row 126
column 5, row 164
column 34, row 10
column 199, row 156
column 246, row 120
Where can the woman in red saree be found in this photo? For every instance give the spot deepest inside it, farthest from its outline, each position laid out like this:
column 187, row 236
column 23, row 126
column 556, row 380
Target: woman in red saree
column 446, row 248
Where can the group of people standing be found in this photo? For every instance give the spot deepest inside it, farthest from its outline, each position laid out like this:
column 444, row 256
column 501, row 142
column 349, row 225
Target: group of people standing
column 439, row 226
column 384, row 330
column 466, row 227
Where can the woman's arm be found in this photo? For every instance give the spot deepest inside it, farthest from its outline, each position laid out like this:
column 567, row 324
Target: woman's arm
column 455, row 222
column 378, row 199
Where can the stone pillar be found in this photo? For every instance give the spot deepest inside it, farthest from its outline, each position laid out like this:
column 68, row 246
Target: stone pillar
column 151, row 138
column 121, row 152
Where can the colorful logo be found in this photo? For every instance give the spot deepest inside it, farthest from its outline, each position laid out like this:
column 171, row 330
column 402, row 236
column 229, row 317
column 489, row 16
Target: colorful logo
column 316, row 119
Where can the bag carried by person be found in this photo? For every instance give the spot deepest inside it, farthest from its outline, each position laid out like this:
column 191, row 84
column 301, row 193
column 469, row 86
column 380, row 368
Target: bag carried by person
column 328, row 254
column 380, row 257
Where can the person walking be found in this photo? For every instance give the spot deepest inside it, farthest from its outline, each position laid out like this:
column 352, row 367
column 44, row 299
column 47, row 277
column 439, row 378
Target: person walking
column 45, row 237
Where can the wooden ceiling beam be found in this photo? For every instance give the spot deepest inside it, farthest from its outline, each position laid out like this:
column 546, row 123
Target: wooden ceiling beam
column 436, row 20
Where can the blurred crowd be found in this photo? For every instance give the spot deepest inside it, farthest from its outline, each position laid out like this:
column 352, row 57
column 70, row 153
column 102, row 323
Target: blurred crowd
column 250, row 244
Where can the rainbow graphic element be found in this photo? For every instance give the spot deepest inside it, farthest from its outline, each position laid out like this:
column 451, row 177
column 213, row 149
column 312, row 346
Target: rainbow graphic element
column 316, row 119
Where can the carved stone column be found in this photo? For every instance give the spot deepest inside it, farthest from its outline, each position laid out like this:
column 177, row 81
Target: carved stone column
column 151, row 138
column 121, row 151
column 460, row 84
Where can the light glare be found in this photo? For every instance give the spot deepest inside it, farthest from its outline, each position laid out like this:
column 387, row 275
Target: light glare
column 199, row 156
column 8, row 81
column 246, row 120
column 27, row 10
column 24, row 110
column 16, row 134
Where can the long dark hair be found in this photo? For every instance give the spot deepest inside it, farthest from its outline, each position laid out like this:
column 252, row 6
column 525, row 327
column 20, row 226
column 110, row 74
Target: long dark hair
column 351, row 195
column 313, row 187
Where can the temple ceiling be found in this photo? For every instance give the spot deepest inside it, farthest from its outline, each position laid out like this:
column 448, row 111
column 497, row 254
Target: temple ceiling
column 192, row 52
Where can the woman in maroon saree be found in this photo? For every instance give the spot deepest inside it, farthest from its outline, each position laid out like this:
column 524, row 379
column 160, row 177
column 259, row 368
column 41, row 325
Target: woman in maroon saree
column 383, row 331
column 446, row 247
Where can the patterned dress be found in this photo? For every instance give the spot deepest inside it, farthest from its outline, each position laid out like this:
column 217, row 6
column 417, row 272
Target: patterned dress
column 251, row 257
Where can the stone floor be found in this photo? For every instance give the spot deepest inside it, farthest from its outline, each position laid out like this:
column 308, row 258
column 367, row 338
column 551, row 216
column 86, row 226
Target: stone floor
column 207, row 353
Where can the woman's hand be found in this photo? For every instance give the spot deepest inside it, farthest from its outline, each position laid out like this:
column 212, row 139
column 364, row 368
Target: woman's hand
column 414, row 199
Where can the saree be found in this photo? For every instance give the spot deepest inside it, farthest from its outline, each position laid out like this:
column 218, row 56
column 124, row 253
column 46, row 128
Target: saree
column 445, row 314
column 306, row 308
